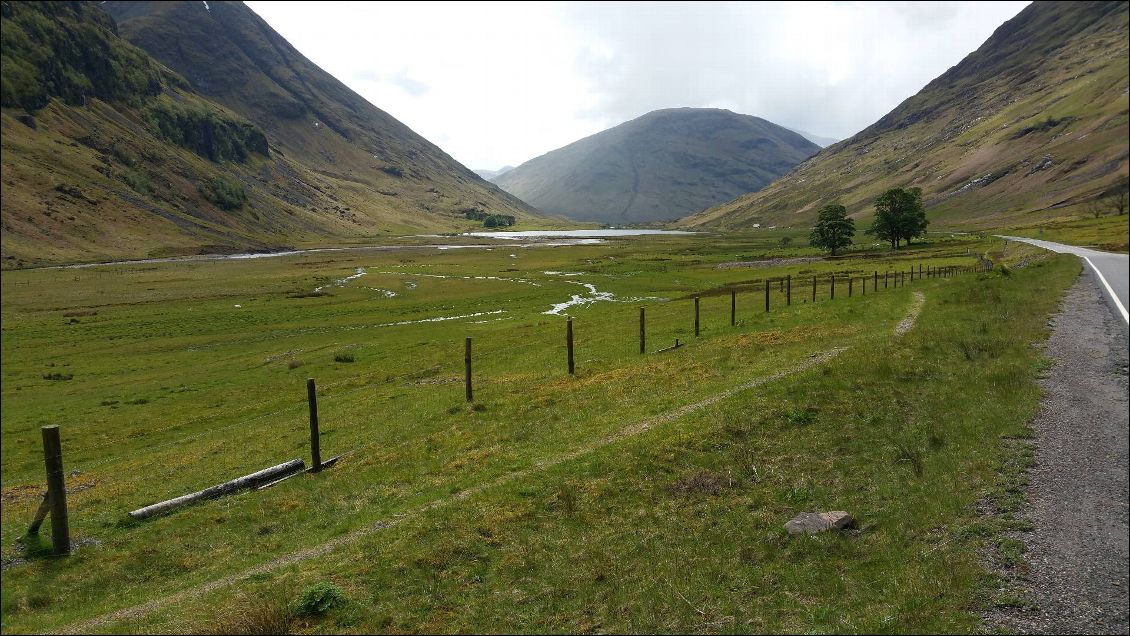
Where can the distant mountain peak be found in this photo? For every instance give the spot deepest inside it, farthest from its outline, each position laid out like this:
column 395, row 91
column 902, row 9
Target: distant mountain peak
column 490, row 175
column 658, row 166
column 819, row 140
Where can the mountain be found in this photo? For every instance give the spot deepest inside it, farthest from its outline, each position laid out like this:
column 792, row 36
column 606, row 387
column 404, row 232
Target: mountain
column 489, row 175
column 229, row 141
column 823, row 142
column 1032, row 121
column 658, row 167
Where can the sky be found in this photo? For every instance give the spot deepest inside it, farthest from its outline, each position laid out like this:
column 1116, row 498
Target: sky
column 496, row 84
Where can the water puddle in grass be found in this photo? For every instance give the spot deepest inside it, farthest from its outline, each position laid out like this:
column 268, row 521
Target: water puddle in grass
column 594, row 296
column 498, row 278
column 441, row 318
column 342, row 281
column 530, row 234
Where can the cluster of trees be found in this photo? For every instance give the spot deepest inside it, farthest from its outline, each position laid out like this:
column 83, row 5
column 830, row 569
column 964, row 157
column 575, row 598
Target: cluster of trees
column 899, row 216
column 68, row 50
column 488, row 219
column 206, row 132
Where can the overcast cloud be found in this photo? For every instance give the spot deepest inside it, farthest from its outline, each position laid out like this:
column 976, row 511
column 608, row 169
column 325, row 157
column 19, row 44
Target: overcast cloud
column 500, row 83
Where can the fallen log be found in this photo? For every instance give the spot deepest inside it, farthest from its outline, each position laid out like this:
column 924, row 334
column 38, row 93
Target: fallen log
column 267, row 475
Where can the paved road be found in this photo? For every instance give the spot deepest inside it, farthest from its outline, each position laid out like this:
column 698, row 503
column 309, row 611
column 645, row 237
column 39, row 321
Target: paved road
column 1113, row 270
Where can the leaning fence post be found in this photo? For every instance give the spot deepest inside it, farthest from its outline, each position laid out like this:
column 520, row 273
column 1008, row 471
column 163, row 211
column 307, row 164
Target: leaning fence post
column 467, row 368
column 569, row 342
column 641, row 330
column 315, row 438
column 733, row 307
column 56, row 490
column 696, row 316
column 40, row 514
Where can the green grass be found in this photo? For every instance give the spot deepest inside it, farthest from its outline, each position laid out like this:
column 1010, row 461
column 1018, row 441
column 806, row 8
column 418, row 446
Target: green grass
column 528, row 510
column 1110, row 232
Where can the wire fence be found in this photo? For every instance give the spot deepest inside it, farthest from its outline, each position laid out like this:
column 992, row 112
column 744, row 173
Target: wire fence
column 770, row 291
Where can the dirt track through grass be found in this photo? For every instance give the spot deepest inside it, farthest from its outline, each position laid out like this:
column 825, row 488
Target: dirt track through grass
column 907, row 323
column 637, row 428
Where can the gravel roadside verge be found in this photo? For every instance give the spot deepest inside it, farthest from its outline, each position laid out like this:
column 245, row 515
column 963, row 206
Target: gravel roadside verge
column 1078, row 553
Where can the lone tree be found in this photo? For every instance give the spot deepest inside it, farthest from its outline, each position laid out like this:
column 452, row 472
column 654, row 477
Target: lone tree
column 899, row 216
column 833, row 228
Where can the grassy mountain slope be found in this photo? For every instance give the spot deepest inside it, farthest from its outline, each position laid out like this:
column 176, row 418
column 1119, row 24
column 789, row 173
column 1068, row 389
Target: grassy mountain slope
column 1031, row 123
column 108, row 153
column 658, row 167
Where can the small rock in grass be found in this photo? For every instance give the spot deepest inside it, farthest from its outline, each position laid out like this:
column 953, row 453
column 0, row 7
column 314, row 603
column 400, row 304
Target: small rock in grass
column 813, row 522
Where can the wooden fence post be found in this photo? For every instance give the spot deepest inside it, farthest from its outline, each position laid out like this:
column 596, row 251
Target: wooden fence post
column 315, row 437
column 851, row 281
column 569, row 342
column 832, row 295
column 696, row 316
column 813, row 288
column 733, row 307
column 40, row 514
column 766, row 295
column 875, row 285
column 56, row 490
column 641, row 330
column 467, row 365
column 863, row 285
column 789, row 290
column 885, row 275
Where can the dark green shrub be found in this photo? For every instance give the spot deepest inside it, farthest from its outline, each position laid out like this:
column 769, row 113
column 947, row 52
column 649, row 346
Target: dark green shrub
column 224, row 193
column 138, row 182
column 319, row 599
